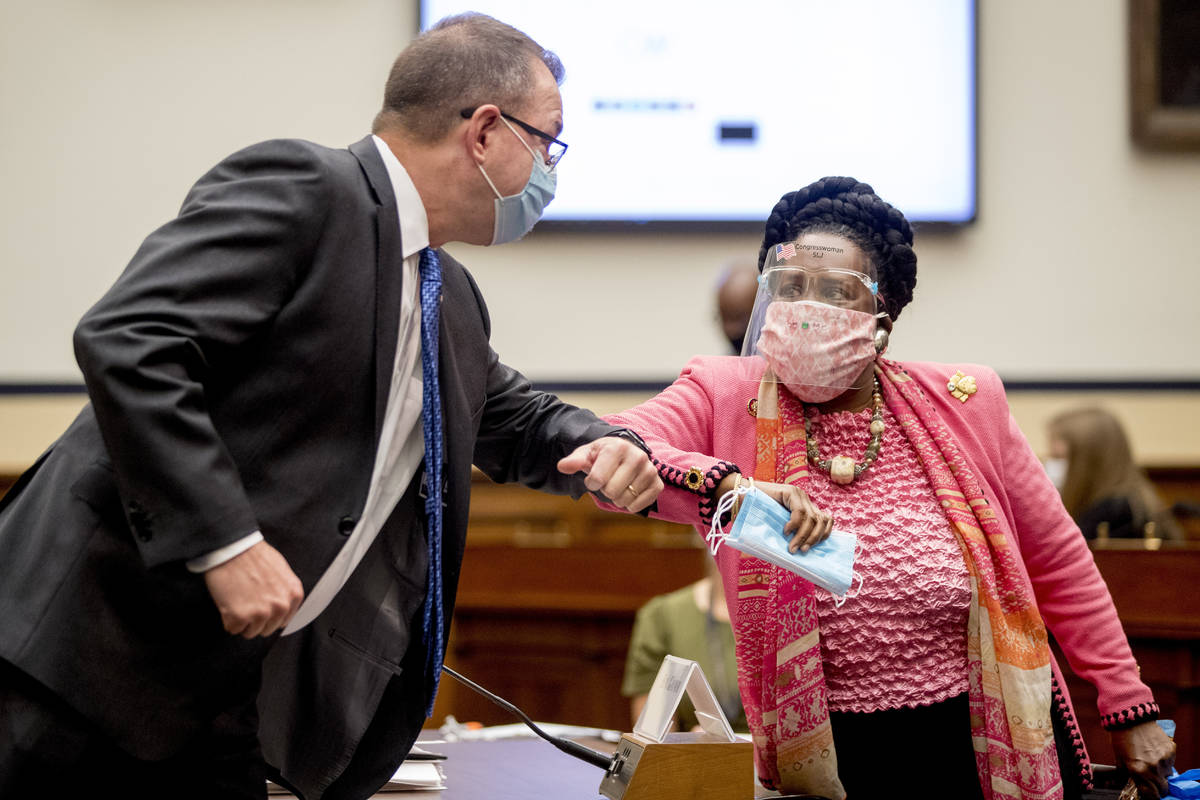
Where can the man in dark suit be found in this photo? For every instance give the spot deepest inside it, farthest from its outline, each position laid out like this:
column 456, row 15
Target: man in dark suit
column 263, row 449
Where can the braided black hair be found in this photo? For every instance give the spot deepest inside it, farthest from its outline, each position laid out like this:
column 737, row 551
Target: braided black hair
column 849, row 208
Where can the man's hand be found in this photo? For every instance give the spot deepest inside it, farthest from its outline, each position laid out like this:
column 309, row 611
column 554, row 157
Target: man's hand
column 256, row 591
column 617, row 469
column 1148, row 753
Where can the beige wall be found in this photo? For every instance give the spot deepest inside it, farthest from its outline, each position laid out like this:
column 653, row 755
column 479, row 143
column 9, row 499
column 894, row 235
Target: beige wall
column 1083, row 262
column 28, row 424
column 109, row 111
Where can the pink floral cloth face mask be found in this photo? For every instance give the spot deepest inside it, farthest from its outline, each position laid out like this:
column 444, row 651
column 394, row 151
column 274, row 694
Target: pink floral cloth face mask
column 816, row 350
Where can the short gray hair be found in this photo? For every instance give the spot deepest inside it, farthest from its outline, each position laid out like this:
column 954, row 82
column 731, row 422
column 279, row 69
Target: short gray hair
column 462, row 62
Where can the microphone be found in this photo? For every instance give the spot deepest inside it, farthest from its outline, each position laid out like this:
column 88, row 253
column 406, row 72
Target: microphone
column 575, row 749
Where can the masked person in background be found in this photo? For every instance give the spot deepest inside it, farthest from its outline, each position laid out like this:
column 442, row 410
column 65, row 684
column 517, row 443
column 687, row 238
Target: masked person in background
column 1092, row 465
column 936, row 669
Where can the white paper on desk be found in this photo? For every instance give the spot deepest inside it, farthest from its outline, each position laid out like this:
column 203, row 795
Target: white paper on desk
column 519, row 730
column 675, row 677
column 417, row 775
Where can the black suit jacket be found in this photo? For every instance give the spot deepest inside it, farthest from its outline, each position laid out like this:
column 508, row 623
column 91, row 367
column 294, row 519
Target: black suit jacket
column 238, row 372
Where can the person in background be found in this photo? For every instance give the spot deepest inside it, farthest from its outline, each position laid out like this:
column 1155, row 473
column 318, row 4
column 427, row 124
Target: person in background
column 691, row 623
column 1102, row 488
column 935, row 671
column 241, row 558
column 737, row 286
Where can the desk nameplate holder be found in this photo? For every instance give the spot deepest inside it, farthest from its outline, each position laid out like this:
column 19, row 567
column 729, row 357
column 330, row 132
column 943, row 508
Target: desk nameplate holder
column 652, row 764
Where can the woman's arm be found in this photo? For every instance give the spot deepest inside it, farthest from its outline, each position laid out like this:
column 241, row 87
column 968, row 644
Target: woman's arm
column 678, row 425
column 682, row 426
column 1074, row 601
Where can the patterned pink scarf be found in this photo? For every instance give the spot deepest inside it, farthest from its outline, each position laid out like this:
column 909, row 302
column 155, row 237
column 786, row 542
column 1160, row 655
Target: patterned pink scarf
column 778, row 645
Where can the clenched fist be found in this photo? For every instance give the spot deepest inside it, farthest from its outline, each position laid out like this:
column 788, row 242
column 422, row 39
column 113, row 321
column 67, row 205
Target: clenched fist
column 256, row 591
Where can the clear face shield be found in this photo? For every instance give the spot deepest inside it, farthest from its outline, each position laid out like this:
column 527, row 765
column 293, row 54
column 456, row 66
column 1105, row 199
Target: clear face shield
column 814, row 318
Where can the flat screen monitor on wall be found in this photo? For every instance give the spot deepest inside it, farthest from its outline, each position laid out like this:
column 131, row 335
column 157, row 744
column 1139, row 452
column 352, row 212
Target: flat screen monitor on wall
column 702, row 112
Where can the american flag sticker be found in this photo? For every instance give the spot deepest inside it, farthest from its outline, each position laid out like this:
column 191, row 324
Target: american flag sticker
column 785, row 251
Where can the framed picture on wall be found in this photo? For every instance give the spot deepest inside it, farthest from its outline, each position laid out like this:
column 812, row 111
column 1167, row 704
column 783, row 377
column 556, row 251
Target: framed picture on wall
column 1164, row 51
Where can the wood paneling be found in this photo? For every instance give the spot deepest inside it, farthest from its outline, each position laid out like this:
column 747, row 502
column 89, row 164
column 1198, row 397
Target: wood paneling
column 546, row 602
column 550, row 587
column 1156, row 598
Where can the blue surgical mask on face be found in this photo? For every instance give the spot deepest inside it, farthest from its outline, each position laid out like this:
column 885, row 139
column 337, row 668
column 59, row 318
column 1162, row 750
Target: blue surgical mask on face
column 518, row 213
column 758, row 531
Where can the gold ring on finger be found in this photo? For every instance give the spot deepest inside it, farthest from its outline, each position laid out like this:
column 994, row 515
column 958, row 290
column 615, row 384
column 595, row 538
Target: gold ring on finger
column 630, row 488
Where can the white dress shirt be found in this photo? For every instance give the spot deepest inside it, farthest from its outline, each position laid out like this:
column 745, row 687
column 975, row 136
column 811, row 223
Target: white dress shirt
column 401, row 442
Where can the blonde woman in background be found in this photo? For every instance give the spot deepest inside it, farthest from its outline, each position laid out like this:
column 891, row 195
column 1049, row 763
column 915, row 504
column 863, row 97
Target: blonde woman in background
column 1092, row 465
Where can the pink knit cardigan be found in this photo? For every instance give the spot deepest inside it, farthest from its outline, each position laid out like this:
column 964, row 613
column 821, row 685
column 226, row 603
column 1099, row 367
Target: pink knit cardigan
column 702, row 425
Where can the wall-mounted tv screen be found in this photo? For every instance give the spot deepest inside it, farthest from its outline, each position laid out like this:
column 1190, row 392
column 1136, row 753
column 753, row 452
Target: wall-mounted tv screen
column 705, row 112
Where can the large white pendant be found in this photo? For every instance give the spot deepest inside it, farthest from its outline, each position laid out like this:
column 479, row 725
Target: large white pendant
column 841, row 469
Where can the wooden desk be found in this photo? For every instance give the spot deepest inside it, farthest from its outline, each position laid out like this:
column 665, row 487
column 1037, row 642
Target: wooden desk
column 516, row 769
column 512, row 769
column 1156, row 599
column 508, row 769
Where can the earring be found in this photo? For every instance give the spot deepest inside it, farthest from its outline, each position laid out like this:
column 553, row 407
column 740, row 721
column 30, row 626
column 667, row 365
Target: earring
column 881, row 340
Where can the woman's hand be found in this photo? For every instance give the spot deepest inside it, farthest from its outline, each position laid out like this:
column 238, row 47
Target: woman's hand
column 1148, row 754
column 808, row 526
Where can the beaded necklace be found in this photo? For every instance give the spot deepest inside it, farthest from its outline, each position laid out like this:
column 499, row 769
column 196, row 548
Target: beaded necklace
column 844, row 469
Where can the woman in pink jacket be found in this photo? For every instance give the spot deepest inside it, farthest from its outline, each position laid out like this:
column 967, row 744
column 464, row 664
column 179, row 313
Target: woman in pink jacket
column 936, row 668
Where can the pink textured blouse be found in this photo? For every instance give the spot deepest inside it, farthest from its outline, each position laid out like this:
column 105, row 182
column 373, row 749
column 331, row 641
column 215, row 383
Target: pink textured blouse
column 899, row 640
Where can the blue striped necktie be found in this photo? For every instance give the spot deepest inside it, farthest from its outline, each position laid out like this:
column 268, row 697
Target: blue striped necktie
column 431, row 427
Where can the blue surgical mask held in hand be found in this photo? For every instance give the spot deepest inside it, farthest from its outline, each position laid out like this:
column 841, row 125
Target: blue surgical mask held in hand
column 758, row 531
column 518, row 213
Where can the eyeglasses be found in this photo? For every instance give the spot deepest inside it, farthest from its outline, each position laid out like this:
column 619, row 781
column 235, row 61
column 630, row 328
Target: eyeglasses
column 829, row 285
column 555, row 149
